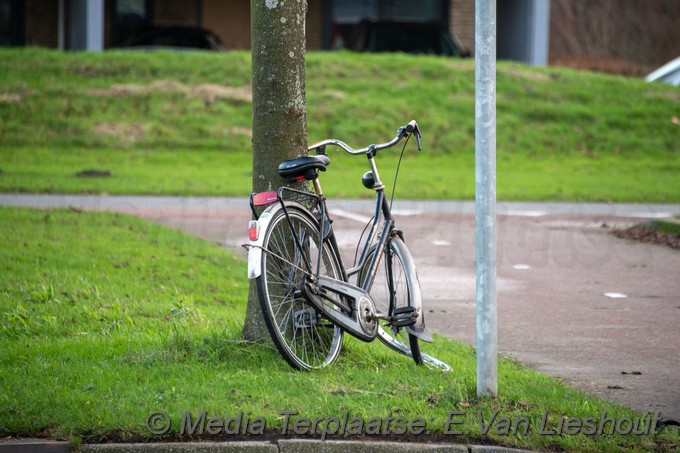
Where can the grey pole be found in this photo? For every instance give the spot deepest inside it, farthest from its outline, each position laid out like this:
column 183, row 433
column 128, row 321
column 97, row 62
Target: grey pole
column 485, row 195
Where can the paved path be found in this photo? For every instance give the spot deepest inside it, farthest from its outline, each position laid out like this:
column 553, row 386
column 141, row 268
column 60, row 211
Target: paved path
column 574, row 301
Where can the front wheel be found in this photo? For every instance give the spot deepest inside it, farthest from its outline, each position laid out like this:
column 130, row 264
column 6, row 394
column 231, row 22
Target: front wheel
column 290, row 249
column 395, row 286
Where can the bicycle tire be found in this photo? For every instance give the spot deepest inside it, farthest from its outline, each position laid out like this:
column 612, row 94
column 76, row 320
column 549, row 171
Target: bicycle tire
column 304, row 339
column 406, row 290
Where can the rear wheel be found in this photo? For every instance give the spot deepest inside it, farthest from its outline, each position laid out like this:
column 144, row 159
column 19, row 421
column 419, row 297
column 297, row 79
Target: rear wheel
column 302, row 336
column 395, row 286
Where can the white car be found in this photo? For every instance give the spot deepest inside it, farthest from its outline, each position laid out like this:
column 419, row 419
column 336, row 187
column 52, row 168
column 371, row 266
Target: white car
column 668, row 73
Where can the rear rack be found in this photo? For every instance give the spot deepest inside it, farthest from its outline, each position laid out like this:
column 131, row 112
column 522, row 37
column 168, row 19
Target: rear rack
column 309, row 200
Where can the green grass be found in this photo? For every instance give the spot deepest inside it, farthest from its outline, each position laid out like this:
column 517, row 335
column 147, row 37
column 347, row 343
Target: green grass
column 163, row 123
column 670, row 225
column 105, row 318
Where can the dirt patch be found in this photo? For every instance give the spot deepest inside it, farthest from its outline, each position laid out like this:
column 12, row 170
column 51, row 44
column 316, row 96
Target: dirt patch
column 90, row 173
column 649, row 234
column 129, row 133
column 238, row 130
column 607, row 65
column 11, row 98
column 211, row 93
column 525, row 74
column 334, row 94
column 208, row 92
column 165, row 86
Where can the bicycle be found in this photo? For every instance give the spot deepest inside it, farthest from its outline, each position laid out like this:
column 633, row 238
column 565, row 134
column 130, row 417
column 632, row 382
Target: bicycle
column 304, row 289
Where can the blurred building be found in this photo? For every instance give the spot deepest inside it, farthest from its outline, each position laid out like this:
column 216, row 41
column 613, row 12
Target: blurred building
column 95, row 25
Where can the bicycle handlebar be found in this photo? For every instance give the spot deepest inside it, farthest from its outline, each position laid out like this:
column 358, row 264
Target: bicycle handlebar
column 403, row 131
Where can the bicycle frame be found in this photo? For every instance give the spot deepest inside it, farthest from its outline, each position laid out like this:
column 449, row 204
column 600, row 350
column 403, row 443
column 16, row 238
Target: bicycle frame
column 320, row 210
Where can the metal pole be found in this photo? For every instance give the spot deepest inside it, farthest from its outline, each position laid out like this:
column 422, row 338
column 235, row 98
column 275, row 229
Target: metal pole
column 94, row 26
column 61, row 19
column 485, row 195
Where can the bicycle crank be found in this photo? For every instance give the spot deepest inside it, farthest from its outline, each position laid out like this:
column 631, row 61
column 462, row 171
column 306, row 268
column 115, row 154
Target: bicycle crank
column 347, row 306
column 366, row 313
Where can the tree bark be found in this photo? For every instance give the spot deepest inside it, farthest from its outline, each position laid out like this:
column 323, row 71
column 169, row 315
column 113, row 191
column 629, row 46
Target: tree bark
column 279, row 107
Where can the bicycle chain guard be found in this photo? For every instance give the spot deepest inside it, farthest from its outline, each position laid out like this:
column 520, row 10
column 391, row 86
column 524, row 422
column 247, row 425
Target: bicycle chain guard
column 360, row 322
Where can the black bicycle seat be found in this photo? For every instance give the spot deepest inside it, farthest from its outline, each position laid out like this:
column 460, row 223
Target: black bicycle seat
column 303, row 167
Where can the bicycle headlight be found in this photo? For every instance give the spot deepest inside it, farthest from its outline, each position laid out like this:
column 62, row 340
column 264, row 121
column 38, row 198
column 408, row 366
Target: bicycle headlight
column 368, row 180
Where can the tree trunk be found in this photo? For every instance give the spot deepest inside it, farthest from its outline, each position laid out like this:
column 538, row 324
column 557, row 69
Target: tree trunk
column 279, row 107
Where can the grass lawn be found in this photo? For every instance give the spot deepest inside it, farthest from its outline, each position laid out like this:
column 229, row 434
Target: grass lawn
column 105, row 318
column 179, row 123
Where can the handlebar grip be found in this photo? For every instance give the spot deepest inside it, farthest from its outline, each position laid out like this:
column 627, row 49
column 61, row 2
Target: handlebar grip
column 411, row 126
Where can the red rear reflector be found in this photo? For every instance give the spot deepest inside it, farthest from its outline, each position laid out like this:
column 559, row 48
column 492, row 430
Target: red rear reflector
column 263, row 198
column 253, row 228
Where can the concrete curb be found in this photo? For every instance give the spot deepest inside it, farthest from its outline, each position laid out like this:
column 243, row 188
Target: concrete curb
column 184, row 447
column 338, row 446
column 10, row 445
column 280, row 446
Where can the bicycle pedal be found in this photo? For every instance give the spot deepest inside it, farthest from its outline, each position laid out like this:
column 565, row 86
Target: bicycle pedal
column 404, row 317
column 406, row 322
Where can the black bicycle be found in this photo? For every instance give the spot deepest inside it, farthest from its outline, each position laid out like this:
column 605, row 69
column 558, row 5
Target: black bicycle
column 307, row 296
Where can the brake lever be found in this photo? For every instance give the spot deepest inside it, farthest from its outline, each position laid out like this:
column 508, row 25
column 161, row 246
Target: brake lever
column 416, row 134
column 412, row 128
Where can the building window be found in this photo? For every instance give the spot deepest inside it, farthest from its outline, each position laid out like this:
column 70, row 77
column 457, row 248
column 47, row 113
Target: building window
column 130, row 17
column 355, row 11
column 11, row 23
column 348, row 14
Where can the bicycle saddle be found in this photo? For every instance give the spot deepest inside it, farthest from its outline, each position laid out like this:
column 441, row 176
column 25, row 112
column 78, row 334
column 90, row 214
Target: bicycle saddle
column 305, row 167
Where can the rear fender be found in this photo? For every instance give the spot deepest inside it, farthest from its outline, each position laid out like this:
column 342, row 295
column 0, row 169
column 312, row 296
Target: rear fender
column 255, row 247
